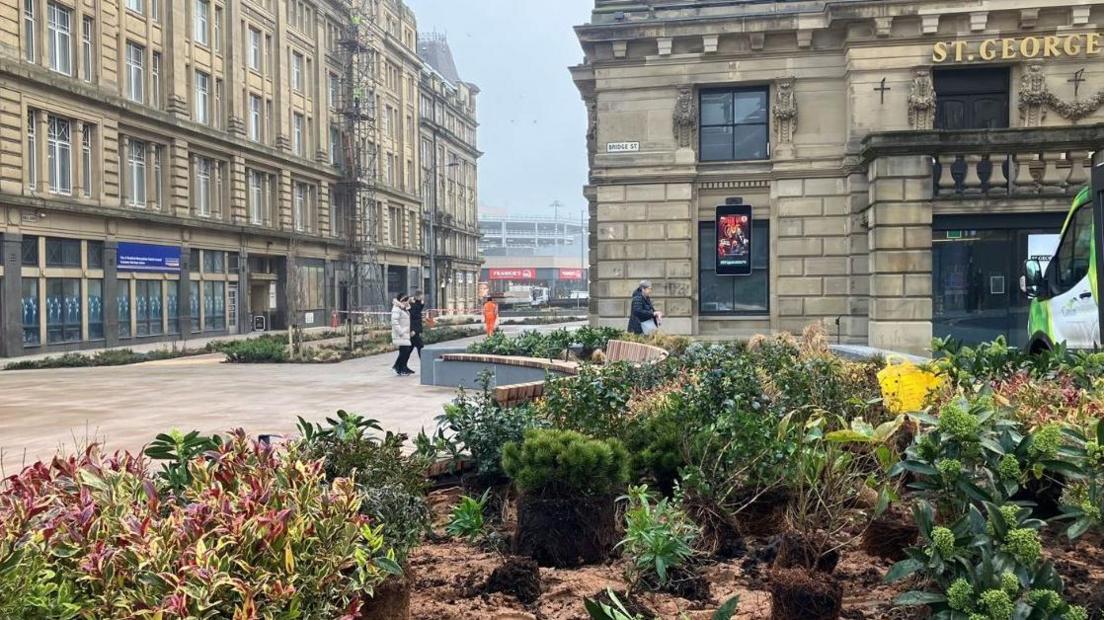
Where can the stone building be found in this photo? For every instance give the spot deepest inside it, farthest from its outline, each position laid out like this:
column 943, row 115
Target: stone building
column 171, row 169
column 449, row 160
column 901, row 159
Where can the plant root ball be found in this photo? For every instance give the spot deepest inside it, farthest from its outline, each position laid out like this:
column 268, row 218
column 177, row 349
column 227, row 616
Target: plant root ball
column 566, row 532
column 799, row 594
column 888, row 536
column 517, row 576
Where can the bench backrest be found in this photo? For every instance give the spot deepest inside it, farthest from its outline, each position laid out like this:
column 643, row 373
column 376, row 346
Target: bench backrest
column 518, row 394
column 633, row 352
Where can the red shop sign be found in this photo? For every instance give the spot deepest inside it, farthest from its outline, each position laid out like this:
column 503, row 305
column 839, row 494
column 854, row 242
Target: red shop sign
column 513, row 274
column 571, row 274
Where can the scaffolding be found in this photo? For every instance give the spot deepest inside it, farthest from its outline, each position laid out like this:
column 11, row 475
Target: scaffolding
column 356, row 195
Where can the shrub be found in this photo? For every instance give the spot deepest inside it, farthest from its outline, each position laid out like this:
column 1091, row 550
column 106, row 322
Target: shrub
column 546, row 345
column 260, row 350
column 257, row 529
column 659, row 538
column 596, row 401
column 178, row 450
column 476, row 425
column 391, row 480
column 566, row 463
column 466, row 520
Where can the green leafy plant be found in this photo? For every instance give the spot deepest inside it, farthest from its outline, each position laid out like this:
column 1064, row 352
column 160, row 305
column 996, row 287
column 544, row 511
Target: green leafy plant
column 659, row 538
column 615, row 609
column 466, row 520
column 565, row 464
column 177, row 450
column 1083, row 500
column 260, row 350
column 984, row 566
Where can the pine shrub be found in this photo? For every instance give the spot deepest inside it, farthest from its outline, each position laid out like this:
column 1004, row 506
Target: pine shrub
column 566, row 463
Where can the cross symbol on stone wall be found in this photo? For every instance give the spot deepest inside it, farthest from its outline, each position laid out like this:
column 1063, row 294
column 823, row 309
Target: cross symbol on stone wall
column 882, row 89
column 1078, row 77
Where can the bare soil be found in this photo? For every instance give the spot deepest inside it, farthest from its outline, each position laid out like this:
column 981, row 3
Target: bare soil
column 450, row 580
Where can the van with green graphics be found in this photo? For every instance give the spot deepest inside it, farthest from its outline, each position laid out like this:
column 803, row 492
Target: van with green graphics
column 1065, row 290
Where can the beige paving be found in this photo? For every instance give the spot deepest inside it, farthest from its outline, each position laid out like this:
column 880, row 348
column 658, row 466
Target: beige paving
column 124, row 407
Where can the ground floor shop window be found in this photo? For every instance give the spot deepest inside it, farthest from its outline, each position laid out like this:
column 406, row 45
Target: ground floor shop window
column 30, row 307
column 95, row 310
column 63, row 310
column 214, row 306
column 148, row 307
column 193, row 304
column 734, row 294
column 172, row 307
column 122, row 300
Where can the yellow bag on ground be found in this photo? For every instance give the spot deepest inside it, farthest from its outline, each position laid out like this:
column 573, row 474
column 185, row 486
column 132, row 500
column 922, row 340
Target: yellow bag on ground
column 905, row 386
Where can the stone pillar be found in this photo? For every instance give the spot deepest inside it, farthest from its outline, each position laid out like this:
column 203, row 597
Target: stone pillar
column 111, row 292
column 11, row 311
column 184, row 297
column 280, row 316
column 899, row 218
column 245, row 305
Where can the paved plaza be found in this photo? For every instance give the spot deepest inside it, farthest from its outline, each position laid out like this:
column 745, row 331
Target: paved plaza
column 123, row 407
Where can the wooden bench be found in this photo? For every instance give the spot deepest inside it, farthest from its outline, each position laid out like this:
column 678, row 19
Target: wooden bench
column 513, row 395
column 634, row 352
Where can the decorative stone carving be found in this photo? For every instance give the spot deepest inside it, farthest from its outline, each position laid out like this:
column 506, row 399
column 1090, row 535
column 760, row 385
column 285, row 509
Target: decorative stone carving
column 785, row 111
column 592, row 129
column 921, row 100
column 1036, row 98
column 685, row 117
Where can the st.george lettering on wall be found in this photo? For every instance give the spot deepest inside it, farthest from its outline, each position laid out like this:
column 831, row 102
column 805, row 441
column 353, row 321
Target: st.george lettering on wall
column 1008, row 48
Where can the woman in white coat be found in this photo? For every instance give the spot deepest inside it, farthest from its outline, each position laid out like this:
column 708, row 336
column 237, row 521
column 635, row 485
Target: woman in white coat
column 400, row 334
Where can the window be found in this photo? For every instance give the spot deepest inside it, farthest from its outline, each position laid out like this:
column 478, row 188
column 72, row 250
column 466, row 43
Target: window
column 333, row 86
column 136, row 73
column 734, row 124
column 156, row 150
column 148, row 307
column 95, row 254
column 395, row 226
column 202, row 23
column 256, row 197
column 202, row 98
column 95, row 310
column 122, row 302
column 30, row 251
column 59, row 155
column 311, row 276
column 29, row 30
column 136, row 173
column 1075, row 251
column 218, row 28
column 63, row 252
column 335, row 145
column 731, row 294
column 301, row 211
column 63, row 310
column 59, row 38
column 297, row 133
column 202, row 187
column 138, row 6
column 973, row 98
column 155, row 78
column 255, row 49
column 172, row 307
column 193, row 304
column 296, row 71
column 30, row 308
column 255, row 118
column 214, row 306
column 32, row 148
column 86, row 160
column 87, row 34
column 214, row 261
column 218, row 122
column 155, row 10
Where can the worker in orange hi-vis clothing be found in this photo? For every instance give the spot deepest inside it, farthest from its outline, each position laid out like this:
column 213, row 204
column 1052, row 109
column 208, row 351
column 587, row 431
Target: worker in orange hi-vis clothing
column 490, row 315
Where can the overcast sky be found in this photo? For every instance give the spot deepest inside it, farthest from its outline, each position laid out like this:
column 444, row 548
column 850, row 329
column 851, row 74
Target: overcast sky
column 532, row 121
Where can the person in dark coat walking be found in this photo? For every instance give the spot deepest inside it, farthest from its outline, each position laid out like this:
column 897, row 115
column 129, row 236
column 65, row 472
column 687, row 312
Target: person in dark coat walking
column 417, row 306
column 642, row 308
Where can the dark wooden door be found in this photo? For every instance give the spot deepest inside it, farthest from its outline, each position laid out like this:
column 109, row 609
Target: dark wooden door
column 971, row 98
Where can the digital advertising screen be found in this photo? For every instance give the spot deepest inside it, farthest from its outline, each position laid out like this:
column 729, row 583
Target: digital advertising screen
column 734, row 240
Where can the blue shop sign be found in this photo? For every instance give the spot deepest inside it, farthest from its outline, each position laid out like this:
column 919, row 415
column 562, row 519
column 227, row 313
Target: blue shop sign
column 145, row 257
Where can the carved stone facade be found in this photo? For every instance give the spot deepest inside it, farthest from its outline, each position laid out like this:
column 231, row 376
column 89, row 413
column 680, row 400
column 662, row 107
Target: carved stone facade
column 849, row 240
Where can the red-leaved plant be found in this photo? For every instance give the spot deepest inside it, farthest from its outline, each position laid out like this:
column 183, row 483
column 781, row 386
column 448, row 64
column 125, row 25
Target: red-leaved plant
column 257, row 533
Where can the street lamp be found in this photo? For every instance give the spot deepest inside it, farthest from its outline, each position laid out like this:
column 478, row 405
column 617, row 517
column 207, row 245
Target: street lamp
column 433, row 290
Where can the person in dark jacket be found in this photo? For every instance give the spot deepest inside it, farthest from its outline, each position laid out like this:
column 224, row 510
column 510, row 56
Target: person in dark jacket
column 417, row 306
column 642, row 308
